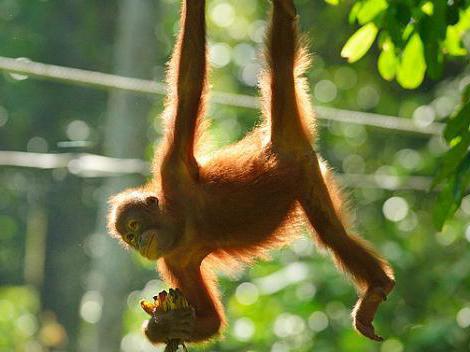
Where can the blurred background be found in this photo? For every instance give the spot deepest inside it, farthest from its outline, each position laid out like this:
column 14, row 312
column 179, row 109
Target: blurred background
column 66, row 144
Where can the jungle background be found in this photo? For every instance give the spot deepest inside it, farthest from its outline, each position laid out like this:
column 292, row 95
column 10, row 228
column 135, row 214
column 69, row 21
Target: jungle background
column 66, row 286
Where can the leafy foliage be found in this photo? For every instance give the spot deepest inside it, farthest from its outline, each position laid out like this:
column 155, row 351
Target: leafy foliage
column 414, row 36
column 454, row 170
column 360, row 42
column 19, row 306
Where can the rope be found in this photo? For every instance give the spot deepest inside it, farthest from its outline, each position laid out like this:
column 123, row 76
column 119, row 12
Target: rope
column 108, row 81
column 92, row 165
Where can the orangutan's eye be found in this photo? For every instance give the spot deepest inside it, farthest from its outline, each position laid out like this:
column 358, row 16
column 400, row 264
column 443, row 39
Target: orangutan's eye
column 129, row 238
column 133, row 225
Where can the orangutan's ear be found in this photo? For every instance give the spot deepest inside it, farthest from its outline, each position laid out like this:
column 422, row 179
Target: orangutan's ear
column 151, row 201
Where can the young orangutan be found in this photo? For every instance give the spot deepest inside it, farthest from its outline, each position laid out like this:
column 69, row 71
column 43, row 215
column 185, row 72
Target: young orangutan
column 236, row 203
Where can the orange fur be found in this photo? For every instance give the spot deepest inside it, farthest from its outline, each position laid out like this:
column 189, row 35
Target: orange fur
column 231, row 206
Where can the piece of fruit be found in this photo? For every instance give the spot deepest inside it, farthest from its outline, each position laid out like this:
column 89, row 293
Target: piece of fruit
column 148, row 306
column 163, row 302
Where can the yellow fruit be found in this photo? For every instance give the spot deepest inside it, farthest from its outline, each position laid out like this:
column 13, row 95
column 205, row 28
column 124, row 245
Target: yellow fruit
column 163, row 302
column 148, row 306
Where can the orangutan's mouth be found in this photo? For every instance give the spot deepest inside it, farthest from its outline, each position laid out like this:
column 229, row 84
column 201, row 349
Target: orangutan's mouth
column 148, row 238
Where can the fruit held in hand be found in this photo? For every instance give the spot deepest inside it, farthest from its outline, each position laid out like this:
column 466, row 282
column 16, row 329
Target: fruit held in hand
column 163, row 302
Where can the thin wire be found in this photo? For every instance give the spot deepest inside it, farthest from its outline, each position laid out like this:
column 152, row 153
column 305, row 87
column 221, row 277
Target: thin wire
column 92, row 165
column 109, row 81
column 80, row 164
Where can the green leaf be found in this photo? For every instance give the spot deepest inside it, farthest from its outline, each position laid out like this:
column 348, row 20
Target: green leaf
column 408, row 31
column 412, row 66
column 360, row 42
column 453, row 15
column 393, row 27
column 402, row 12
column 370, row 9
column 432, row 30
column 354, row 11
column 445, row 205
column 451, row 160
column 458, row 124
column 434, row 58
column 463, row 175
column 452, row 194
column 332, row 2
column 453, row 42
column 428, row 8
column 466, row 94
column 387, row 62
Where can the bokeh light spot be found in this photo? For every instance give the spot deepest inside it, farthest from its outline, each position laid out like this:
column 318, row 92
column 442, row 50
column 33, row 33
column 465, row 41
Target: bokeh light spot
column 240, row 29
column 37, row 145
column 220, row 54
column 243, row 54
column 354, row 164
column 356, row 134
column 247, row 293
column 386, row 177
column 77, row 130
column 395, row 209
column 91, row 307
column 467, row 233
column 27, row 324
column 280, row 346
column 444, row 105
column 318, row 321
column 250, row 74
column 325, row 91
column 368, row 97
column 446, row 238
column 243, row 329
column 223, row 14
column 288, row 325
column 465, row 205
column 306, row 291
column 136, row 342
column 302, row 246
column 392, row 345
column 463, row 317
column 408, row 158
column 409, row 223
column 423, row 116
column 257, row 31
column 337, row 311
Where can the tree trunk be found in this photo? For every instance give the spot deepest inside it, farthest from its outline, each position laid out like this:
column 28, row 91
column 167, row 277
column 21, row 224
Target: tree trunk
column 125, row 137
